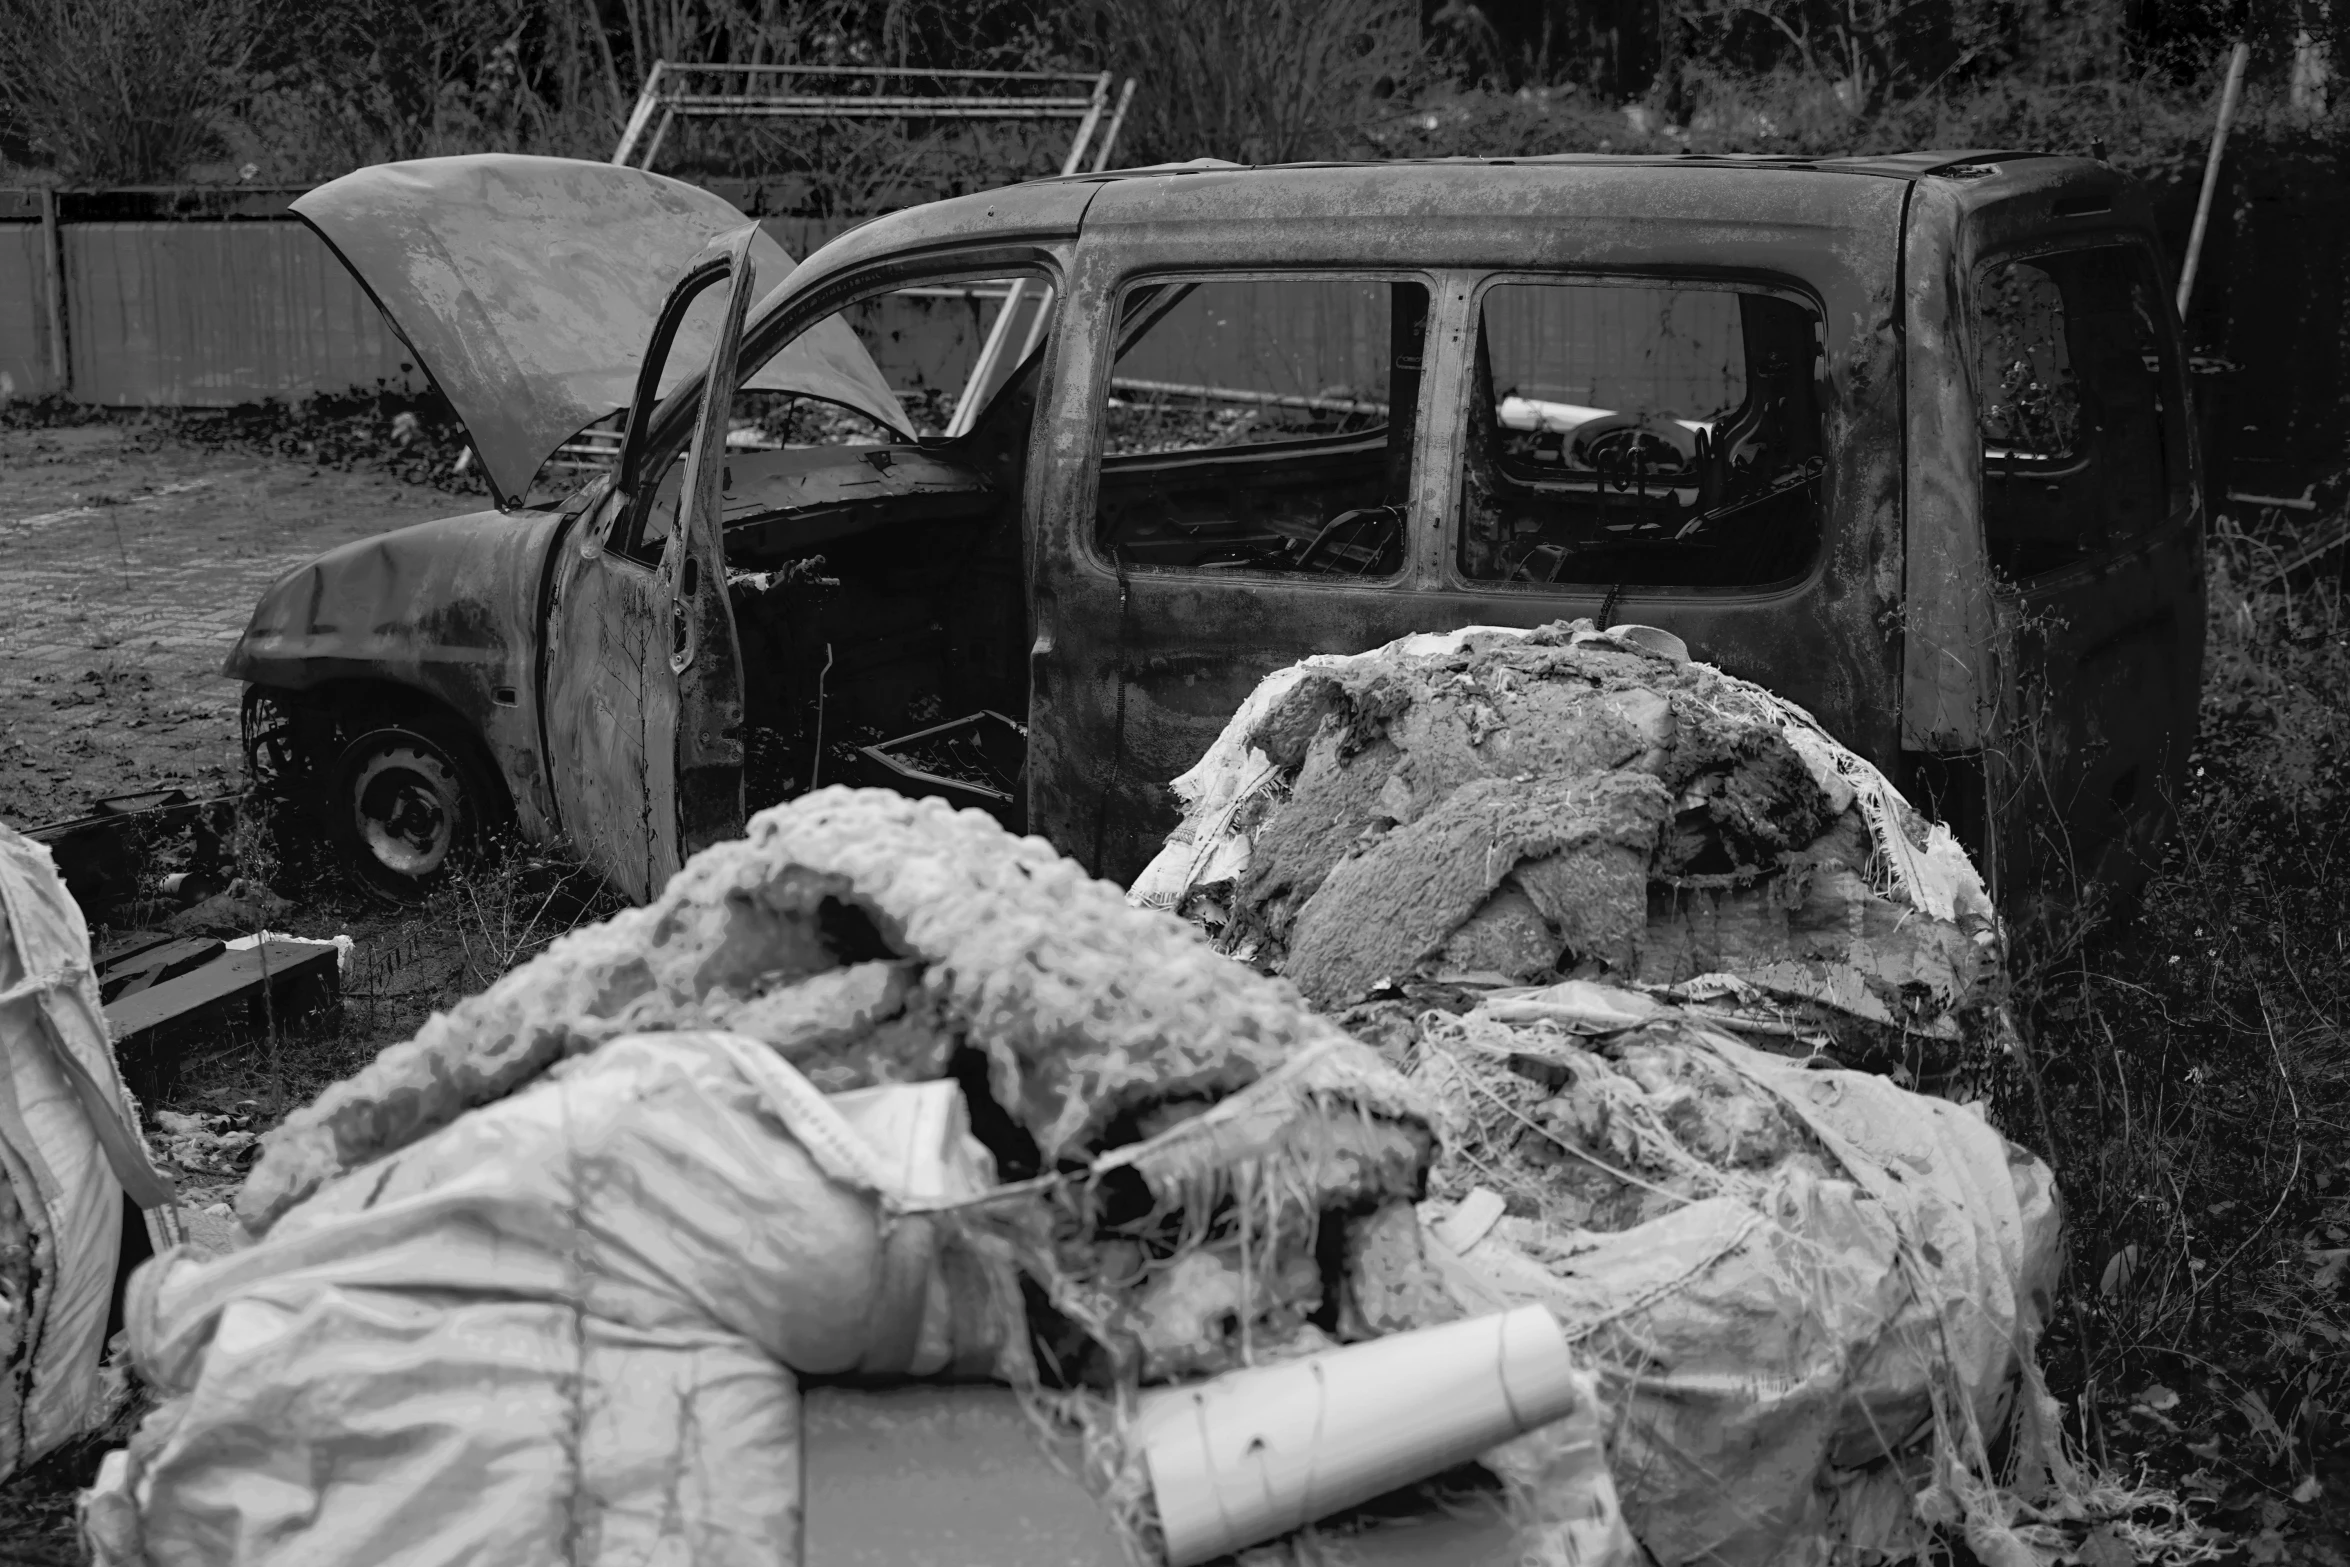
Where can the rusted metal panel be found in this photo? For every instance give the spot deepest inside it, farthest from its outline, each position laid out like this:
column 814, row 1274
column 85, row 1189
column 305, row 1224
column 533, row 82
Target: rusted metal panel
column 2097, row 695
column 528, row 287
column 212, row 314
column 600, row 658
column 24, row 296
column 1948, row 631
column 448, row 608
column 701, row 712
column 1137, row 671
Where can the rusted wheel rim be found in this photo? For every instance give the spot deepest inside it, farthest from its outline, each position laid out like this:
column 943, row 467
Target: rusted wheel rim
column 409, row 806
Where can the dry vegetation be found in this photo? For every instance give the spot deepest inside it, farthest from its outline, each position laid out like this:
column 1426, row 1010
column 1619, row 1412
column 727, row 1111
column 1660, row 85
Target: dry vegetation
column 2189, row 1076
column 271, row 91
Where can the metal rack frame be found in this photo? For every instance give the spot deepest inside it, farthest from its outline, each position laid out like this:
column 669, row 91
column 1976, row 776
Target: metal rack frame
column 671, row 93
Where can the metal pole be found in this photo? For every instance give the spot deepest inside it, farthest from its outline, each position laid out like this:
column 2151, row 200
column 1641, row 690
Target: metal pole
column 1101, row 159
column 53, row 244
column 2219, row 142
column 999, row 332
column 642, row 115
column 660, row 134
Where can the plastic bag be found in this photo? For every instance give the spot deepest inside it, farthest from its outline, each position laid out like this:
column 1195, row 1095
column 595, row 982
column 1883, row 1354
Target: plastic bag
column 562, row 1329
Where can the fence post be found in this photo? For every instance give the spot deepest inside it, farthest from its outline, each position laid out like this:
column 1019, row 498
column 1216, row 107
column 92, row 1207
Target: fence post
column 53, row 253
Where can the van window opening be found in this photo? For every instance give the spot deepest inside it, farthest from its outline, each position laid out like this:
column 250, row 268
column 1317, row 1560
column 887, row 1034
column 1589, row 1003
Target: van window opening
column 875, row 582
column 2083, row 429
column 1635, row 434
column 1261, row 424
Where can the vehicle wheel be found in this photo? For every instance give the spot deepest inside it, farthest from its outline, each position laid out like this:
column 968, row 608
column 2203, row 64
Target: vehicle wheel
column 408, row 803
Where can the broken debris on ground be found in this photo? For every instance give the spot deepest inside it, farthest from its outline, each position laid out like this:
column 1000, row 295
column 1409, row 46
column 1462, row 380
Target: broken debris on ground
column 667, row 1144
column 1505, row 807
column 883, row 1090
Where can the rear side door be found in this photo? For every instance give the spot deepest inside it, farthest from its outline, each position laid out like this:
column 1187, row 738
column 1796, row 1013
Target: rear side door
column 642, row 675
column 1238, row 487
column 2091, row 524
column 1307, row 457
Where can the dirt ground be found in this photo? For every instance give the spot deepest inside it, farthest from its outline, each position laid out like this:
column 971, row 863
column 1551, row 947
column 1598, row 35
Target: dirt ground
column 131, row 554
column 129, row 561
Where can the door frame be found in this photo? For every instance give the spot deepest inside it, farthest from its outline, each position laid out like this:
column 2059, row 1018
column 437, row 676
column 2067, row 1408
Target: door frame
column 645, row 736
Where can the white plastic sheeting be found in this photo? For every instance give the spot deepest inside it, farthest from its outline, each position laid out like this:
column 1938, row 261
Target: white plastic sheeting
column 568, row 1325
column 69, row 1149
column 1799, row 1364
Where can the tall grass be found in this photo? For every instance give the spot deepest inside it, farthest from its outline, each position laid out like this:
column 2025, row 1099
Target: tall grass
column 2195, row 1072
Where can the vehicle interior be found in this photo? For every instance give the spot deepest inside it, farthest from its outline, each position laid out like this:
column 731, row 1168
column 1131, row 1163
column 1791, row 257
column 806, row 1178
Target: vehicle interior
column 1639, row 435
column 1262, row 425
column 876, row 583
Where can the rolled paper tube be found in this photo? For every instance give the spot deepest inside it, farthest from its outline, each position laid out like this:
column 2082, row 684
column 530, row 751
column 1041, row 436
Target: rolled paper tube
column 1251, row 1455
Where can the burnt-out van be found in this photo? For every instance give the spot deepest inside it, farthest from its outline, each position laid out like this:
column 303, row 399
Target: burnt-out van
column 1905, row 439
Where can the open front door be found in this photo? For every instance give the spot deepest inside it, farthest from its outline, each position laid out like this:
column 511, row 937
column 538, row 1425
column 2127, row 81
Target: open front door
column 643, row 678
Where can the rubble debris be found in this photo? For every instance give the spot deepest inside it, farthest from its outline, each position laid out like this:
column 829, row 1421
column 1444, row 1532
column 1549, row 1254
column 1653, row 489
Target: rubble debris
column 536, row 1168
column 1508, row 807
column 205, row 1145
column 883, row 1092
column 249, row 984
column 868, row 939
column 69, row 1156
column 1809, row 1295
column 977, row 760
column 104, row 856
column 241, row 906
column 147, row 958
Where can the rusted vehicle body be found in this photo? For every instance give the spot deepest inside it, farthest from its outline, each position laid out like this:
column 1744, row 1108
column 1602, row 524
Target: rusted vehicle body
column 1904, row 438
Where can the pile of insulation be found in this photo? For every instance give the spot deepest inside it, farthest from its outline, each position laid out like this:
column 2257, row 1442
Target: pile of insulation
column 1811, row 1297
column 881, row 1091
column 1501, row 806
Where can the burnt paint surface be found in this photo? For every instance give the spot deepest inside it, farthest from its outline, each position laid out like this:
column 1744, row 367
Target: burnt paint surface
column 643, row 674
column 449, row 609
column 1133, row 675
column 1948, row 622
column 2099, row 666
column 601, row 641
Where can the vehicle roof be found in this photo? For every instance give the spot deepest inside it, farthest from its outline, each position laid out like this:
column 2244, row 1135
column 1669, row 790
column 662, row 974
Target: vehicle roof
column 1046, row 206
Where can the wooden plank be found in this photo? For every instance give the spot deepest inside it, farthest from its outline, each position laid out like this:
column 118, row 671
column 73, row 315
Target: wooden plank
column 225, row 985
column 127, row 945
column 156, row 964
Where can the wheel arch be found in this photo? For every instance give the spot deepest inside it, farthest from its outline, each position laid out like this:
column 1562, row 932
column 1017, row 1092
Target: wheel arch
column 301, row 739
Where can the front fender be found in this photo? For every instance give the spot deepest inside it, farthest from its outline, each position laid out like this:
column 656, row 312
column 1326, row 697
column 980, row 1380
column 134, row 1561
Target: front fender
column 448, row 608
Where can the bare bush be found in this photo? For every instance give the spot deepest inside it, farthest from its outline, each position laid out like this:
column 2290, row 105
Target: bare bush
column 1258, row 81
column 124, row 91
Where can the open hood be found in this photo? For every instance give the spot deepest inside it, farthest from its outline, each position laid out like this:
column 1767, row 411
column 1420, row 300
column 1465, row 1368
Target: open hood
column 528, row 288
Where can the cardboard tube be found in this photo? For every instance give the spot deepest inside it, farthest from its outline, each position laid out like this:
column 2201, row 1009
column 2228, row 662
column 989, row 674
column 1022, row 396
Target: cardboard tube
column 1251, row 1455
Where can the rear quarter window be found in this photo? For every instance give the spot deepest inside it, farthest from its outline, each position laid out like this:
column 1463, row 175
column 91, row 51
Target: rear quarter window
column 2076, row 399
